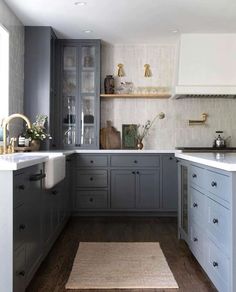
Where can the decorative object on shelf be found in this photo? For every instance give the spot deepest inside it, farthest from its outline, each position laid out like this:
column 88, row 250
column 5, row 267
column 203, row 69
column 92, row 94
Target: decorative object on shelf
column 37, row 132
column 110, row 137
column 199, row 122
column 143, row 130
column 129, row 134
column 147, row 71
column 121, row 72
column 109, row 85
column 88, row 62
column 125, row 88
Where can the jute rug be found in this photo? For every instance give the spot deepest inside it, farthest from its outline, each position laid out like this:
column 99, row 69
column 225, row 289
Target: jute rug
column 120, row 265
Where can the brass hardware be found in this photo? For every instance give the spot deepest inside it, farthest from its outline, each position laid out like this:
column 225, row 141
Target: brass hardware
column 147, row 71
column 199, row 122
column 121, row 72
column 5, row 124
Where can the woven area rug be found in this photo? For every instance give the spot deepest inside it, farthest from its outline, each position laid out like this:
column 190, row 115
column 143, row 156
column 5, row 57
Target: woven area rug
column 120, row 265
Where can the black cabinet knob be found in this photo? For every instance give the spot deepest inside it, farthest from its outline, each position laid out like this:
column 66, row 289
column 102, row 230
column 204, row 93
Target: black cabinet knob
column 170, row 158
column 137, row 172
column 177, row 161
column 215, row 264
column 22, row 227
column 91, row 178
column 133, row 172
column 91, row 200
column 194, row 175
column 195, row 239
column 91, row 161
column 213, row 183
column 20, row 273
column 195, row 205
column 21, row 187
column 135, row 161
column 215, row 221
column 77, row 145
column 54, row 192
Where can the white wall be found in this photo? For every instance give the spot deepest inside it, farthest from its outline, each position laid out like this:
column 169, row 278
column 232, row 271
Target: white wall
column 174, row 129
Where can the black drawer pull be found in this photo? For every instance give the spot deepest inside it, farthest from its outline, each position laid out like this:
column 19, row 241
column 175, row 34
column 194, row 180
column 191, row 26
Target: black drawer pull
column 195, row 205
column 195, row 239
column 20, row 273
column 214, row 184
column 21, row 187
column 91, row 161
column 170, row 158
column 137, row 172
column 38, row 176
column 91, row 200
column 77, row 145
column 54, row 192
column 194, row 175
column 135, row 161
column 91, row 178
column 215, row 221
column 133, row 172
column 68, row 159
column 22, row 227
column 215, row 264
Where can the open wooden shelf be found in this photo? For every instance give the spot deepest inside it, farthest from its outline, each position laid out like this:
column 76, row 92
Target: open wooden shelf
column 138, row 95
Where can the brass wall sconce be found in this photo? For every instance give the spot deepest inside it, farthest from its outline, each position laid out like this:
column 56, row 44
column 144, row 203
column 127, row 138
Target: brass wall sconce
column 147, row 71
column 121, row 72
column 198, row 122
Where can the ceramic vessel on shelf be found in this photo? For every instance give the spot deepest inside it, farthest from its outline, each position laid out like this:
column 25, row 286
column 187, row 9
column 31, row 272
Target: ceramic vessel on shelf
column 139, row 144
column 109, row 84
column 35, row 145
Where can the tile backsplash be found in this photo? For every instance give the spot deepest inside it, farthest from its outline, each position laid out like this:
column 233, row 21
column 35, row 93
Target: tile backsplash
column 174, row 129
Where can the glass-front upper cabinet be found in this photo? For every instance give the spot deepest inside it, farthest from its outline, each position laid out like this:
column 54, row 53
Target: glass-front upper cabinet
column 80, row 94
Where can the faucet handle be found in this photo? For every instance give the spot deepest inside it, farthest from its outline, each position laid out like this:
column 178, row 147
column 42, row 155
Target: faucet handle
column 11, row 148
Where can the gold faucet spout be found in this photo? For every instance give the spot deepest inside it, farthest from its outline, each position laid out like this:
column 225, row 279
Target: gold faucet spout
column 6, row 122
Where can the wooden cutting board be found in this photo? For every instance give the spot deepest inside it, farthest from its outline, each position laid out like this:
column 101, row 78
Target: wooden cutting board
column 109, row 137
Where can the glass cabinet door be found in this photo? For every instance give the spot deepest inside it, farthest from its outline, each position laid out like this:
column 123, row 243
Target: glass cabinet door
column 87, row 96
column 69, row 96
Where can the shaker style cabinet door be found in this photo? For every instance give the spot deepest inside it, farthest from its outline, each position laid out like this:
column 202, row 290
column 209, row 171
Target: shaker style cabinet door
column 80, row 94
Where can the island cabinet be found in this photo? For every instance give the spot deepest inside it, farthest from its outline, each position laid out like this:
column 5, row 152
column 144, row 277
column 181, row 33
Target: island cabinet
column 125, row 182
column 207, row 197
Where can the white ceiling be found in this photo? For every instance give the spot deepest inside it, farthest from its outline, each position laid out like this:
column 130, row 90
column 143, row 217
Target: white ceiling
column 128, row 21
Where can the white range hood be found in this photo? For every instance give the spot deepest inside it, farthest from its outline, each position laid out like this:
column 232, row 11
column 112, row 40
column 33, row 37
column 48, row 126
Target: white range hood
column 207, row 66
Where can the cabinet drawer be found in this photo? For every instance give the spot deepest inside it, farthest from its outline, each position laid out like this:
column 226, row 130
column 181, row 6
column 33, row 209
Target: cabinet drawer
column 217, row 265
column 218, row 184
column 135, row 160
column 91, row 200
column 91, row 160
column 198, row 206
column 19, row 270
column 218, row 222
column 19, row 226
column 197, row 242
column 20, row 185
column 91, row 178
column 197, row 175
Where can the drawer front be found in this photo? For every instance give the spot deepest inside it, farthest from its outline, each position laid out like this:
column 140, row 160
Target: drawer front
column 198, row 206
column 135, row 160
column 91, row 160
column 197, row 243
column 19, row 226
column 197, row 175
column 20, row 185
column 218, row 184
column 19, row 275
column 91, row 179
column 218, row 267
column 91, row 200
column 219, row 222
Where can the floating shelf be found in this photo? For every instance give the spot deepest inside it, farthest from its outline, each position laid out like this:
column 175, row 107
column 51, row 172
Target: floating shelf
column 138, row 95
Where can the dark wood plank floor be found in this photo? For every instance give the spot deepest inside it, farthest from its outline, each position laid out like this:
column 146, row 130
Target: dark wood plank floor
column 54, row 271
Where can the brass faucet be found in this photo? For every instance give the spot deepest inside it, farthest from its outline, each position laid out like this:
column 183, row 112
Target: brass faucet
column 6, row 122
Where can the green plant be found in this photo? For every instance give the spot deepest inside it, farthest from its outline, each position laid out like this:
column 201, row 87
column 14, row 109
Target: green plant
column 38, row 129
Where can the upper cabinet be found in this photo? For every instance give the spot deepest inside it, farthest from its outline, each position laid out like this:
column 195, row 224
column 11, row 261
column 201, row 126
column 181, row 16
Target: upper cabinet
column 80, row 93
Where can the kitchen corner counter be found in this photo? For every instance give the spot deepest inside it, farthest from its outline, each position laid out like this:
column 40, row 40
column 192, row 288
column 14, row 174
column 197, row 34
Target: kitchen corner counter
column 224, row 161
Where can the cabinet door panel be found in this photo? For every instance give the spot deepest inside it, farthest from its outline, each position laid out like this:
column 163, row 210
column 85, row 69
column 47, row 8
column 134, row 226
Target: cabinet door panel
column 148, row 189
column 19, row 271
column 169, row 190
column 123, row 189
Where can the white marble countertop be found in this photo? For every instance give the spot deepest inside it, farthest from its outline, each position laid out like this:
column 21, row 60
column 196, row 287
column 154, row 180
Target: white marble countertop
column 21, row 160
column 224, row 161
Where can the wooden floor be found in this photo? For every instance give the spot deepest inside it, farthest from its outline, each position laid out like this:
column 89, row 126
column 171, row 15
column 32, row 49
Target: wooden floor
column 55, row 270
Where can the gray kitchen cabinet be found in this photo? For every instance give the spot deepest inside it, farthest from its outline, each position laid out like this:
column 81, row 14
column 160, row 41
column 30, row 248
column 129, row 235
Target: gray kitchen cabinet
column 79, row 94
column 123, row 189
column 19, row 269
column 169, row 183
column 40, row 88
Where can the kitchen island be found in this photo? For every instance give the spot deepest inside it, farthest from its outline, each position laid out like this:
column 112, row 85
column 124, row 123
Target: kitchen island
column 207, row 217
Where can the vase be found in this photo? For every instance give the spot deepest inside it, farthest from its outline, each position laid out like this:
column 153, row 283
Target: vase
column 139, row 145
column 35, row 145
column 109, row 84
